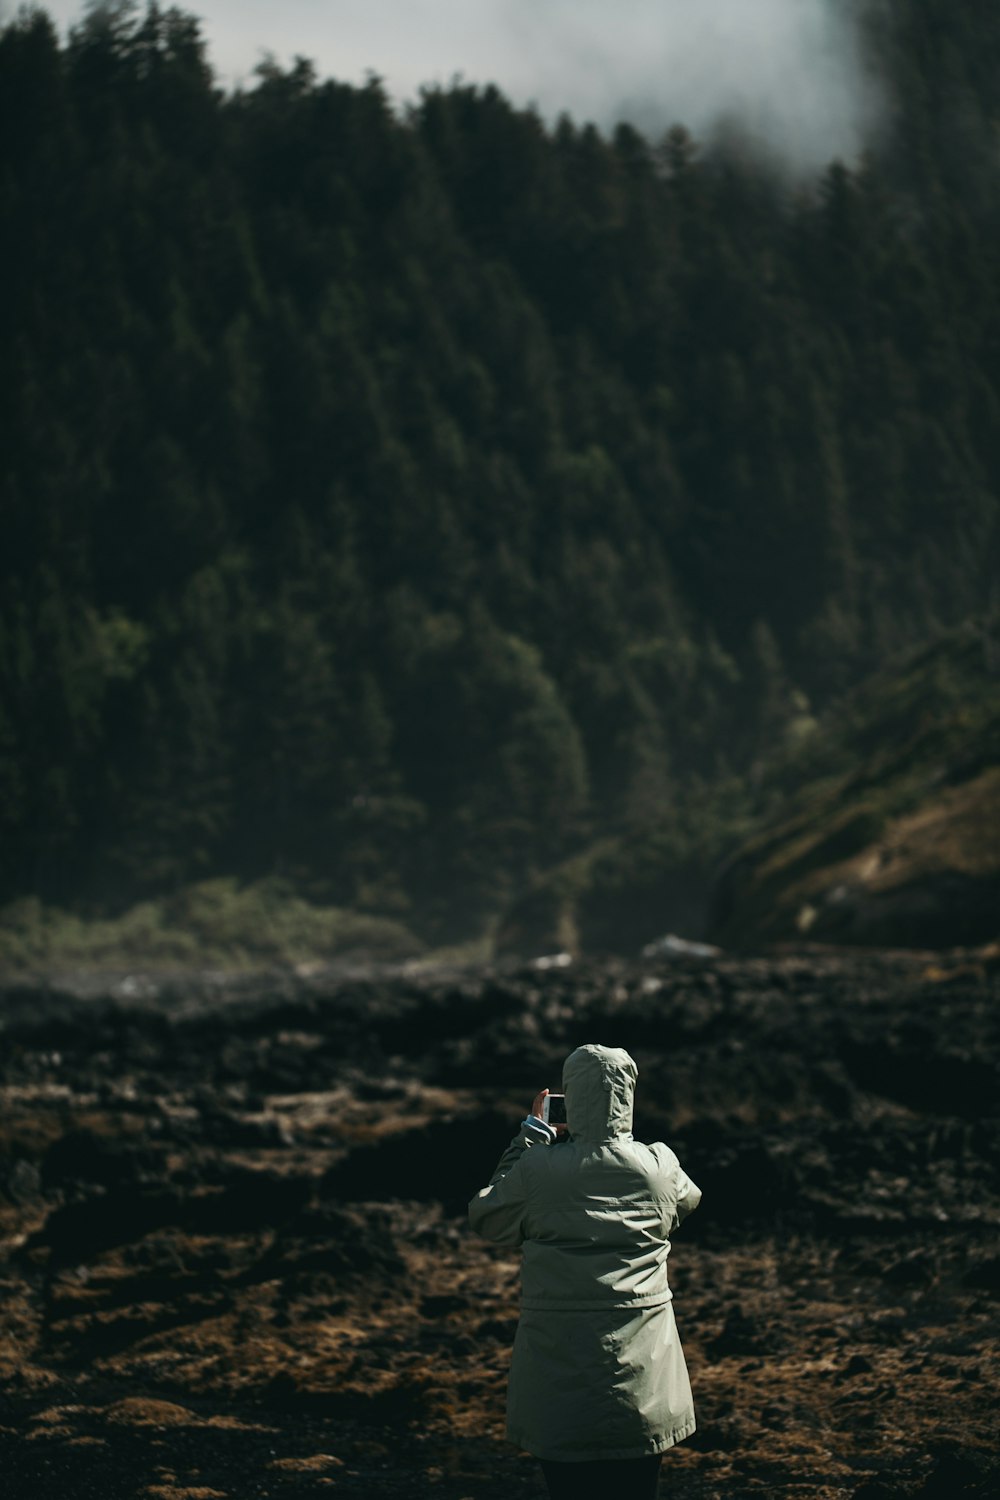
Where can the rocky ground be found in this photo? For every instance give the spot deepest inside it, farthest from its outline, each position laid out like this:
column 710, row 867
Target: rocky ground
column 234, row 1260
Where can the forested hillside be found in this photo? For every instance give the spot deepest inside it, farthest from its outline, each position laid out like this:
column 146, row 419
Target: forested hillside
column 401, row 505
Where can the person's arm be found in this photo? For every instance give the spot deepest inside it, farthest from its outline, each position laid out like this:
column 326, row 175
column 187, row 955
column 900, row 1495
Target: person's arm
column 497, row 1211
column 680, row 1196
column 688, row 1196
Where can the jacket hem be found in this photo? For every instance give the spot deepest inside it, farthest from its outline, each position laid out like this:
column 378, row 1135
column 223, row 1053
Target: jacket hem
column 646, row 1450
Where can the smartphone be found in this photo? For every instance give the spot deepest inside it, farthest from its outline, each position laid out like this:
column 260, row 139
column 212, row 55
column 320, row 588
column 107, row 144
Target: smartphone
column 554, row 1109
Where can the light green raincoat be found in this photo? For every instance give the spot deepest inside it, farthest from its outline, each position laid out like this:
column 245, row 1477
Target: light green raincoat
column 598, row 1371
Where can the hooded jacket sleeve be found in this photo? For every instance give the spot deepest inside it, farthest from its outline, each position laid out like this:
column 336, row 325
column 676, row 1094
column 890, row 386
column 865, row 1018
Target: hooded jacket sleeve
column 688, row 1197
column 497, row 1211
column 678, row 1195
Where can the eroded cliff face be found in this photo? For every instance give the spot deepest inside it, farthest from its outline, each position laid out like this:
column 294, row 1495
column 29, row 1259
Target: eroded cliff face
column 884, row 821
column 235, row 1260
column 925, row 877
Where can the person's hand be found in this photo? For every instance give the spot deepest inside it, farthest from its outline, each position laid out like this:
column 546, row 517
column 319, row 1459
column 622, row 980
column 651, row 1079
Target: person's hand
column 538, row 1104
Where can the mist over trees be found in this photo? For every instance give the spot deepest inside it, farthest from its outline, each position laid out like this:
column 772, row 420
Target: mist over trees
column 399, row 505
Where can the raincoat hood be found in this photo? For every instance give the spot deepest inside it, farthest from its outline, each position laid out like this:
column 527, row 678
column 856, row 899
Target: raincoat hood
column 599, row 1084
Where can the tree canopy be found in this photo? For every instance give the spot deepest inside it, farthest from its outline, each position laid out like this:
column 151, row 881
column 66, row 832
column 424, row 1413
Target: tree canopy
column 399, row 503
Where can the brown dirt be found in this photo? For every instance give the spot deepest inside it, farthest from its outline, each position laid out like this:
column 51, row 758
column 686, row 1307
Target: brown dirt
column 234, row 1260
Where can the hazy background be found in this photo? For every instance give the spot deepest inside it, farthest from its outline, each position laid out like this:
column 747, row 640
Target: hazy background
column 793, row 71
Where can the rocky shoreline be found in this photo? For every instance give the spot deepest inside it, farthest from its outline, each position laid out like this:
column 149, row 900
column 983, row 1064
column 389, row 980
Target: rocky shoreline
column 234, row 1260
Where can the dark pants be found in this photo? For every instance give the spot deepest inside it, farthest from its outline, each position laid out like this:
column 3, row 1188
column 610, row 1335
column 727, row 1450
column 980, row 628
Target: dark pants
column 611, row 1479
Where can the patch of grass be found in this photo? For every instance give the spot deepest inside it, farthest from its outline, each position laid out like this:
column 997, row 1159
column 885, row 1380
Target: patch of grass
column 215, row 924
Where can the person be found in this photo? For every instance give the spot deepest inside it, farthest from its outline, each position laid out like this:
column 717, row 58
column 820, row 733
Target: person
column 598, row 1387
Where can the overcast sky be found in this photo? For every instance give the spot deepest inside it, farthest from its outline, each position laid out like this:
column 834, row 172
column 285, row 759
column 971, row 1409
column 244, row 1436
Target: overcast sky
column 791, row 70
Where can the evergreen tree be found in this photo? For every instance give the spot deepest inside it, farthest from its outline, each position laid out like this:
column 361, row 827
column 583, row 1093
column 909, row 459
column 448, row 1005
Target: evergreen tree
column 403, row 503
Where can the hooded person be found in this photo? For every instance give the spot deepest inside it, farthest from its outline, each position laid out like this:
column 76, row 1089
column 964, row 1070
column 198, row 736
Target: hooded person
column 598, row 1380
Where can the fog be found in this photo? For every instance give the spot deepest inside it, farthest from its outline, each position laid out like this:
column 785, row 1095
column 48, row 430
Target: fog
column 789, row 73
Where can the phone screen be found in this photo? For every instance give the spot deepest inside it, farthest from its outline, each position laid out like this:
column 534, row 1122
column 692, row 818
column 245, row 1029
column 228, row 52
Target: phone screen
column 555, row 1109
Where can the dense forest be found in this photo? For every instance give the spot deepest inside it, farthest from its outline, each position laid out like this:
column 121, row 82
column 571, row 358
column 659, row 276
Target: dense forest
column 399, row 503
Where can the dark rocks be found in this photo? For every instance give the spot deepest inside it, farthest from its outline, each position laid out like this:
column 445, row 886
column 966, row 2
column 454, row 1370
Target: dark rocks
column 76, row 1231
column 82, row 1157
column 500, row 1330
column 250, row 1198
column 742, row 1334
column 23, row 1183
column 916, row 1268
column 440, row 1306
column 962, row 1472
column 723, row 1434
column 351, row 1247
column 446, row 1160
column 985, row 1274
